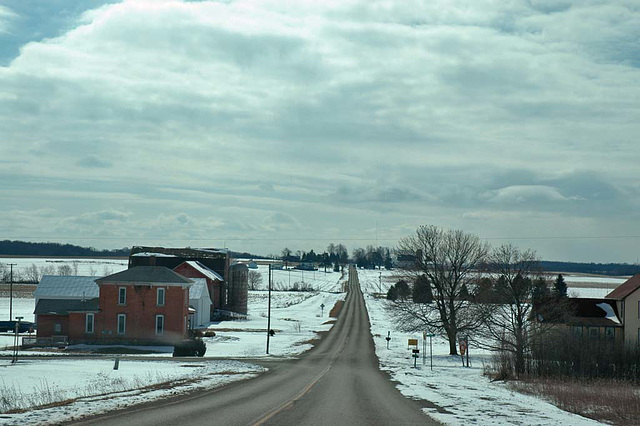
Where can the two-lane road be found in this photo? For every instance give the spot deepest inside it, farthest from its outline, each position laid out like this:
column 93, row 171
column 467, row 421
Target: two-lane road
column 336, row 383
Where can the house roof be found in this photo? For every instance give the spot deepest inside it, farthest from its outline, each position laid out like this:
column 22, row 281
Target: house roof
column 64, row 306
column 199, row 289
column 66, row 287
column 625, row 289
column 146, row 274
column 594, row 312
column 209, row 273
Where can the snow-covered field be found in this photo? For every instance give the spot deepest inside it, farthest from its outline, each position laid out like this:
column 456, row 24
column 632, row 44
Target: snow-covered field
column 96, row 387
column 79, row 266
column 460, row 395
column 296, row 317
column 286, row 278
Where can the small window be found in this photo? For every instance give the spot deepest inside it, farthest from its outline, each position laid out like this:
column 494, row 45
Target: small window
column 161, row 292
column 88, row 324
column 122, row 296
column 159, row 324
column 577, row 331
column 57, row 328
column 594, row 333
column 122, row 323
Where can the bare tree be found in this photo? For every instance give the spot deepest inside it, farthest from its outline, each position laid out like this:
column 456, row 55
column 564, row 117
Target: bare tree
column 509, row 325
column 47, row 270
column 255, row 279
column 449, row 260
column 32, row 274
column 65, row 270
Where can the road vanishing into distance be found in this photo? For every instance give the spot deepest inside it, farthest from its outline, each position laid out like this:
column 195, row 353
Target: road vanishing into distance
column 338, row 382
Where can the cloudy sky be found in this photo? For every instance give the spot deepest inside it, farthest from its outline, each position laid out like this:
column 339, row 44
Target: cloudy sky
column 262, row 124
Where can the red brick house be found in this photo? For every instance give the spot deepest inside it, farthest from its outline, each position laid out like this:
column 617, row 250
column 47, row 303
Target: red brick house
column 195, row 269
column 143, row 303
column 66, row 307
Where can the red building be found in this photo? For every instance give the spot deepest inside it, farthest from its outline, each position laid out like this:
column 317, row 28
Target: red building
column 195, row 269
column 144, row 304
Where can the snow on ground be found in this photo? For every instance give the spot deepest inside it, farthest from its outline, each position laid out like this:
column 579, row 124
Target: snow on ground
column 85, row 265
column 98, row 388
column 286, row 278
column 296, row 317
column 459, row 395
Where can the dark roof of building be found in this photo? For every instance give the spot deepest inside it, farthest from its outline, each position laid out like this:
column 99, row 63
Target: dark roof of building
column 64, row 306
column 146, row 274
column 625, row 289
column 594, row 312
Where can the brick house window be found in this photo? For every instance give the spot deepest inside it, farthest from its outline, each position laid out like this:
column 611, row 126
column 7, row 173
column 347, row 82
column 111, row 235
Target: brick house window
column 160, row 298
column 159, row 324
column 122, row 296
column 88, row 323
column 57, row 328
column 594, row 333
column 122, row 323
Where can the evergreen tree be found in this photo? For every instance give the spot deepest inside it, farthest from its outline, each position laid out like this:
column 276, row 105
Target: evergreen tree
column 392, row 293
column 388, row 262
column 464, row 292
column 540, row 292
column 422, row 290
column 484, row 290
column 560, row 287
column 403, row 289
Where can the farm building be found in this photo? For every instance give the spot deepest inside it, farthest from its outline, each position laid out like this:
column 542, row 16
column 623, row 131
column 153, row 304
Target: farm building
column 147, row 304
column 144, row 303
column 200, row 302
column 234, row 286
column 195, row 269
column 626, row 298
column 66, row 307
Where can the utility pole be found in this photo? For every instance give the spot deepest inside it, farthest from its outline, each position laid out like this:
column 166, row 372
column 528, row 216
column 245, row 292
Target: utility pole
column 269, row 312
column 11, row 265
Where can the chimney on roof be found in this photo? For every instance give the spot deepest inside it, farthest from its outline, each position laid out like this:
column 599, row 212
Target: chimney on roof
column 152, row 260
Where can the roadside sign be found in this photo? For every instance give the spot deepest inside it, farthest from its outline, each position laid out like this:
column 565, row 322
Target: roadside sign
column 413, row 342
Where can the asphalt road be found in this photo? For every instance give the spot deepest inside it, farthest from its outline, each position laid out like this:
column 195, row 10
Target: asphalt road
column 336, row 383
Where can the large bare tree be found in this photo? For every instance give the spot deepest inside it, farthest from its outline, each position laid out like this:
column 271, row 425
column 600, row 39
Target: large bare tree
column 510, row 323
column 450, row 260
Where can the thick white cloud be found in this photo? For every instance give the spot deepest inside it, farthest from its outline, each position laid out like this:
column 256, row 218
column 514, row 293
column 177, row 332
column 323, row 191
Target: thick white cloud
column 309, row 120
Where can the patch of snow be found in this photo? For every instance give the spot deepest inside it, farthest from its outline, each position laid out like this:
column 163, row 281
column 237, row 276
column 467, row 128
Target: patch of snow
column 97, row 387
column 610, row 315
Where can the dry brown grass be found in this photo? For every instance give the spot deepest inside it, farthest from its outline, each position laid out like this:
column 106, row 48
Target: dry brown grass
column 335, row 311
column 24, row 291
column 611, row 401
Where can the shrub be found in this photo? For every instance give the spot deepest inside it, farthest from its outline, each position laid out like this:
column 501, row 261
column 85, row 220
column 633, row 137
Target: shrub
column 193, row 347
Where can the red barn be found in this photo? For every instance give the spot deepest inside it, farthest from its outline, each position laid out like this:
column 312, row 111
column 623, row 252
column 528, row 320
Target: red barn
column 195, row 269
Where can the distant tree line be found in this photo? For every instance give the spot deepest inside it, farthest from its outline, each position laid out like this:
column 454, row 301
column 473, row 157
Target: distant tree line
column 23, row 248
column 592, row 268
column 337, row 255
